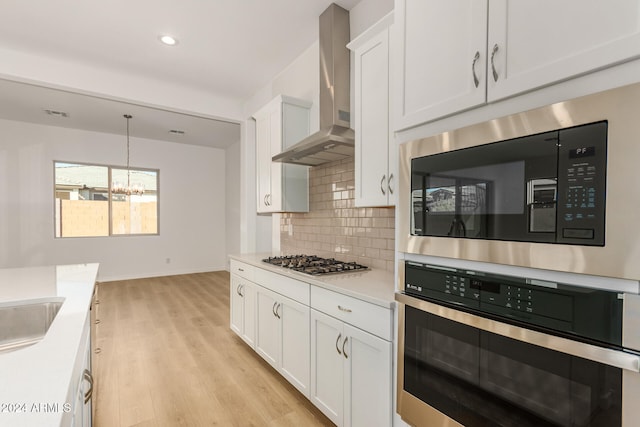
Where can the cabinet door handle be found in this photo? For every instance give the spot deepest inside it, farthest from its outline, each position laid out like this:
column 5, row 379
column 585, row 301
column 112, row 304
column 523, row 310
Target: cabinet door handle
column 344, row 350
column 278, row 308
column 346, row 310
column 337, row 347
column 238, row 290
column 389, row 183
column 273, row 309
column 382, row 182
column 241, row 288
column 476, row 80
column 87, row 376
column 269, row 199
column 493, row 65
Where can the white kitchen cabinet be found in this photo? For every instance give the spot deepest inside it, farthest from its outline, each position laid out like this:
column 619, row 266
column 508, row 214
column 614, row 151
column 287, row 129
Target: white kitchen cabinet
column 282, row 337
column 453, row 56
column 327, row 366
column 242, row 295
column 281, row 187
column 351, row 373
column 351, row 367
column 440, row 49
column 243, row 302
column 546, row 41
column 375, row 150
column 83, row 381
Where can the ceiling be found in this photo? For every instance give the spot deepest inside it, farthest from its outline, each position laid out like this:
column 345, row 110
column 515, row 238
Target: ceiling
column 231, row 48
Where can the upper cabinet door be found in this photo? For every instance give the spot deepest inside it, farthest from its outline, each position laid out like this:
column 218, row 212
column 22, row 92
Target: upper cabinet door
column 441, row 58
column 545, row 41
column 281, row 187
column 371, row 118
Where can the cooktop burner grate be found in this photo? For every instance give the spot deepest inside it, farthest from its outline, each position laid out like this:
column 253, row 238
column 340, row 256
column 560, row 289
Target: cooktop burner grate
column 314, row 265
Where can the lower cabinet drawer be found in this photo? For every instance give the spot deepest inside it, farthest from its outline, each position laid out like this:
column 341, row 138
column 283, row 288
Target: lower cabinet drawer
column 291, row 288
column 241, row 269
column 361, row 314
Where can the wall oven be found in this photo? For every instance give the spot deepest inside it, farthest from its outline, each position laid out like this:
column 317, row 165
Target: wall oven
column 518, row 290
column 485, row 349
column 552, row 188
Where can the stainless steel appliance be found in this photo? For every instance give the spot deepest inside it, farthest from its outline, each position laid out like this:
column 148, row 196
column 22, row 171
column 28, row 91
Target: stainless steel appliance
column 552, row 188
column 519, row 293
column 314, row 265
column 548, row 187
column 335, row 140
column 485, row 349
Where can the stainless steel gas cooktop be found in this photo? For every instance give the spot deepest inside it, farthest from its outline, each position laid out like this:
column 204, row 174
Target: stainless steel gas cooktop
column 314, row 265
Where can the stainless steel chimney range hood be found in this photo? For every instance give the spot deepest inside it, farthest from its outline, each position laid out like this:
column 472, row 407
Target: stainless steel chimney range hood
column 335, row 140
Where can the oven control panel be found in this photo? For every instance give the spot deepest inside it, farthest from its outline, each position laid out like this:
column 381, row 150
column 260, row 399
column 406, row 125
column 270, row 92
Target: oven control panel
column 557, row 306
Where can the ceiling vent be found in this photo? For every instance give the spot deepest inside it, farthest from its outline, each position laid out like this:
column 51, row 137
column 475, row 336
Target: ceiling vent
column 56, row 113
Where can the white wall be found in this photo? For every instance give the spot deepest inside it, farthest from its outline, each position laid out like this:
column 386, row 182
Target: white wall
column 232, row 198
column 192, row 209
column 366, row 13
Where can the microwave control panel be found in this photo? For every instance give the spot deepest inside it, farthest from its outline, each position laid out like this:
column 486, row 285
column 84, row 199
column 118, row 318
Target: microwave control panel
column 555, row 306
column 582, row 163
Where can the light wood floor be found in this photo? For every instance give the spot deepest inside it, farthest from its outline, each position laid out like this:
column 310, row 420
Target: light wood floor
column 168, row 358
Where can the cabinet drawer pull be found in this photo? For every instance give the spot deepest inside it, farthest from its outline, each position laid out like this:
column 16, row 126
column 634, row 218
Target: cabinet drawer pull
column 344, row 350
column 97, row 321
column 384, row 193
column 389, row 184
column 346, row 310
column 337, row 341
column 476, row 80
column 87, row 376
column 240, row 269
column 493, row 65
column 98, row 350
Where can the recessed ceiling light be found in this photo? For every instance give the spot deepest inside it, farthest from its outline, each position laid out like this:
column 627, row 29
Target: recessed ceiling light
column 168, row 40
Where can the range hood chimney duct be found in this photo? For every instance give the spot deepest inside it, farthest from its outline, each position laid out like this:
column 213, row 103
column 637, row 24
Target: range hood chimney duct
column 335, row 140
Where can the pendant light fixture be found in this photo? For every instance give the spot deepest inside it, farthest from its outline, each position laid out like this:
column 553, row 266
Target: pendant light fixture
column 120, row 188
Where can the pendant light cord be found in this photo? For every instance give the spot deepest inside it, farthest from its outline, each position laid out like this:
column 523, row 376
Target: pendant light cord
column 128, row 116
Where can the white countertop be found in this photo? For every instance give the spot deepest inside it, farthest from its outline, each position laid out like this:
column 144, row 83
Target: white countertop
column 375, row 286
column 38, row 377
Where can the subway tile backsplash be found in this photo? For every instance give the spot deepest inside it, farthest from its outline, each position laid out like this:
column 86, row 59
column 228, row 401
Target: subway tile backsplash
column 334, row 227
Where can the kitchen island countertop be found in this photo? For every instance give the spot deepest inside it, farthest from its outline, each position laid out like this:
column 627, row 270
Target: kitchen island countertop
column 375, row 285
column 36, row 380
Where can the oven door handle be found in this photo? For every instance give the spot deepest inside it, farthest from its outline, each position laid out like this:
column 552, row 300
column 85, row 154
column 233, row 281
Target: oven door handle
column 607, row 356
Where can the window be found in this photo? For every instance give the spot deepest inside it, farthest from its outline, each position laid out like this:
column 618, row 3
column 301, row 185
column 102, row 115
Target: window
column 90, row 200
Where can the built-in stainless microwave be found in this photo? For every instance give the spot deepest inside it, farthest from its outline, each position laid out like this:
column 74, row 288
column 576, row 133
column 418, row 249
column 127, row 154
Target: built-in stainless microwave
column 555, row 188
column 548, row 187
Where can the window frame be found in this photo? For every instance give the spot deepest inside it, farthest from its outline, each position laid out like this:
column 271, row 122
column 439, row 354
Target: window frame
column 109, row 199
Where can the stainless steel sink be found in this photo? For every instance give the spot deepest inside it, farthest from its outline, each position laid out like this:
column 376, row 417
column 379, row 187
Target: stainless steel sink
column 26, row 323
